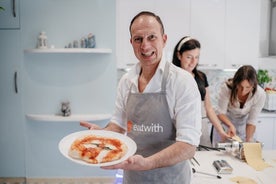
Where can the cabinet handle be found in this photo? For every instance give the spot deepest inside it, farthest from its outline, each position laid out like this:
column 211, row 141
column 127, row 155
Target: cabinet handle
column 13, row 8
column 15, row 82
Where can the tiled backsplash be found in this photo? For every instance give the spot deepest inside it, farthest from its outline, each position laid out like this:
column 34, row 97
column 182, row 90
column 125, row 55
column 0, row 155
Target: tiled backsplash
column 217, row 77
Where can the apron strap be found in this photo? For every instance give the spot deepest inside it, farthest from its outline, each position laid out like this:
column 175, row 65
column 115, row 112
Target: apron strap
column 165, row 76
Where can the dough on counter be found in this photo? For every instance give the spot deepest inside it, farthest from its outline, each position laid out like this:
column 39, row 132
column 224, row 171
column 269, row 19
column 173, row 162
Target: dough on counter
column 253, row 156
column 243, row 180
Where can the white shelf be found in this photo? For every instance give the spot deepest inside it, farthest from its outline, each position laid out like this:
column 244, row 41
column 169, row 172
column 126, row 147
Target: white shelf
column 73, row 117
column 70, row 50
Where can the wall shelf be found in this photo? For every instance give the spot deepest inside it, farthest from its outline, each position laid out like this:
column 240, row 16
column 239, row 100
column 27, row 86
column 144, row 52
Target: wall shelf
column 70, row 50
column 73, row 117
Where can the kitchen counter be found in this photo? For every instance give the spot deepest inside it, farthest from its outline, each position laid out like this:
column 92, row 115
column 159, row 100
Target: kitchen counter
column 267, row 114
column 240, row 168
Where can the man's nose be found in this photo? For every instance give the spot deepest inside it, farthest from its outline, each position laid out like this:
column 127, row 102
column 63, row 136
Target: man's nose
column 145, row 43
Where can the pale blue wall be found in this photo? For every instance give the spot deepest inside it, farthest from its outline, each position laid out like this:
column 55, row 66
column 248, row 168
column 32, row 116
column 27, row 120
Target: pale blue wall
column 88, row 81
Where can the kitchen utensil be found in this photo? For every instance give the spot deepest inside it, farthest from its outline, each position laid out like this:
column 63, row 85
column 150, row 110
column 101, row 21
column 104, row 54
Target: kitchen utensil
column 209, row 174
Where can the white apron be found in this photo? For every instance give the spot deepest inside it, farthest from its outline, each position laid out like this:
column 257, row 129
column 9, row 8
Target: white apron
column 153, row 129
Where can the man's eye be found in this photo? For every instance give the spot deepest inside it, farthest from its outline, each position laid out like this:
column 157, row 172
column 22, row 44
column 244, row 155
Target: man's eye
column 138, row 40
column 151, row 37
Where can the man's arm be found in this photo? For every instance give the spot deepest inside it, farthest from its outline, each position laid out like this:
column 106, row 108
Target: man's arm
column 171, row 155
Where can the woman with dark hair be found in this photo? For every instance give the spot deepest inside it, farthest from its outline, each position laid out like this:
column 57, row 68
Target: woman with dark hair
column 239, row 104
column 186, row 56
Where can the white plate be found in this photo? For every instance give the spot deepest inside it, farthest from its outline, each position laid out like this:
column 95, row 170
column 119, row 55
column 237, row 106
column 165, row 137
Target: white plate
column 65, row 144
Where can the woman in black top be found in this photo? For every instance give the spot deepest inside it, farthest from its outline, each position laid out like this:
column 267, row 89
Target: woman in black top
column 186, row 55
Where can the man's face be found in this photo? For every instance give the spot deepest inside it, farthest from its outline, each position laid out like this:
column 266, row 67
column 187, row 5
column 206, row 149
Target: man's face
column 147, row 40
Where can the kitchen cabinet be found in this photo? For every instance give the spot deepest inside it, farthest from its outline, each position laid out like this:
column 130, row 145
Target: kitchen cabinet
column 231, row 32
column 242, row 32
column 207, row 25
column 274, row 136
column 12, row 137
column 10, row 17
column 266, row 132
column 225, row 29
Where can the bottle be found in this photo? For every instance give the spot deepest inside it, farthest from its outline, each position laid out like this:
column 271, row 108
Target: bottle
column 42, row 41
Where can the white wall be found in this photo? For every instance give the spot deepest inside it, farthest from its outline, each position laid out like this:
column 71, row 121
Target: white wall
column 87, row 81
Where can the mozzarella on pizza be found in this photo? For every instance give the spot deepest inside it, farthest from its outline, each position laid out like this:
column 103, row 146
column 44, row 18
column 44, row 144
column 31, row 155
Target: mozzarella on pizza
column 96, row 149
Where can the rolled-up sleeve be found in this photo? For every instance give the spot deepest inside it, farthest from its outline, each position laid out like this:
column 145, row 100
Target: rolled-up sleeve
column 186, row 108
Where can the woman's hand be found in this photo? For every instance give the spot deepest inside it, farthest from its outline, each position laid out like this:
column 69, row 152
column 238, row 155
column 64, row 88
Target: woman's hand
column 231, row 131
column 135, row 162
column 224, row 136
column 90, row 126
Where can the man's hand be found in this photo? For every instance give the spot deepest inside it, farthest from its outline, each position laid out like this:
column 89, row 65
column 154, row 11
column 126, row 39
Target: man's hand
column 90, row 126
column 135, row 162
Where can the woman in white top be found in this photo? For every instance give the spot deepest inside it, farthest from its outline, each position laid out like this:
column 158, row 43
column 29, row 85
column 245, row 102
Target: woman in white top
column 239, row 104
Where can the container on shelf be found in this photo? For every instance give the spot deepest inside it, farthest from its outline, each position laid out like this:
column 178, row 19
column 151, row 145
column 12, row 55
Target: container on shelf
column 42, row 41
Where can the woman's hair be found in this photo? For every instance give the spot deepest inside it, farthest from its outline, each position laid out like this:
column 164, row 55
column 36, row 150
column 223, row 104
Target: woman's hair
column 246, row 72
column 185, row 44
column 148, row 13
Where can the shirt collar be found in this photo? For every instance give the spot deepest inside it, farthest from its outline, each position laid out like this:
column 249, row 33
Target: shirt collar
column 160, row 68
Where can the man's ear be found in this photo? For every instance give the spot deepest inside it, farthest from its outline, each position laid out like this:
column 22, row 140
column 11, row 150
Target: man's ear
column 165, row 37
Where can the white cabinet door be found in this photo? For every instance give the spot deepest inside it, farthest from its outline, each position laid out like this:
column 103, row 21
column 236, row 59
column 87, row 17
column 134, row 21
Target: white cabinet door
column 274, row 135
column 207, row 25
column 9, row 17
column 265, row 132
column 242, row 32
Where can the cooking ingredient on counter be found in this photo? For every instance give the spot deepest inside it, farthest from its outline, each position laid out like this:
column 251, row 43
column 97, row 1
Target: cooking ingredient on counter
column 241, row 179
column 270, row 90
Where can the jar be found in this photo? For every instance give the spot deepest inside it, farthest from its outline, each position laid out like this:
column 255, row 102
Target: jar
column 91, row 41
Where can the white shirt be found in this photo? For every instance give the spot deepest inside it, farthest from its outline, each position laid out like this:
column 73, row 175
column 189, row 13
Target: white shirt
column 182, row 96
column 251, row 108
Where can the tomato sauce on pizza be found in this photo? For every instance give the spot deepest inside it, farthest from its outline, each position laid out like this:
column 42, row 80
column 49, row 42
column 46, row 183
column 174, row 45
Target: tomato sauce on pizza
column 97, row 149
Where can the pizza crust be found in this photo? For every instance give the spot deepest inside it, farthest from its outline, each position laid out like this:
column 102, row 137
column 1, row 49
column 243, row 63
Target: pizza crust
column 96, row 149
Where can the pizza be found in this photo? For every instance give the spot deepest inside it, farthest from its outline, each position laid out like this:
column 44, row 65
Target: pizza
column 95, row 149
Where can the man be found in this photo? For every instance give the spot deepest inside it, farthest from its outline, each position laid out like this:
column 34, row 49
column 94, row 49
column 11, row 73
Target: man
column 160, row 105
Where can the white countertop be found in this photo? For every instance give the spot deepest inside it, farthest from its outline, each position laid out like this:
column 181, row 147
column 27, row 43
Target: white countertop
column 240, row 168
column 267, row 114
